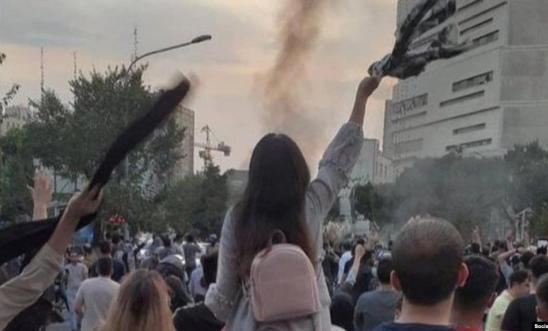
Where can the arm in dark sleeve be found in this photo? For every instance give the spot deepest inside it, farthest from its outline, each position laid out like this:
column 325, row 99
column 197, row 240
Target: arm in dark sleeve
column 511, row 320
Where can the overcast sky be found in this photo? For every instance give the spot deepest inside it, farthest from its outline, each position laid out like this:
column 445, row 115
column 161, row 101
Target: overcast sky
column 354, row 33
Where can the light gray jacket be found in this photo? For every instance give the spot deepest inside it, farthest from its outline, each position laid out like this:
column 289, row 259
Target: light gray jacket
column 225, row 298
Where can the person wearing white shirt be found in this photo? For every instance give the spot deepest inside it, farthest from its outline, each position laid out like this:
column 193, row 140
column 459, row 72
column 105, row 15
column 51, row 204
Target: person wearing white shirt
column 95, row 296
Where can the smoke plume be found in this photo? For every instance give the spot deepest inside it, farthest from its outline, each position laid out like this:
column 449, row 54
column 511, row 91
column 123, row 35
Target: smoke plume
column 285, row 111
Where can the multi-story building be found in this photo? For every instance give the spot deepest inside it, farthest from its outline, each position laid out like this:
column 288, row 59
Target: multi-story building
column 372, row 167
column 482, row 102
column 185, row 166
column 15, row 117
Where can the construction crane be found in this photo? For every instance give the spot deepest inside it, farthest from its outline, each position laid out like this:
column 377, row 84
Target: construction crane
column 209, row 147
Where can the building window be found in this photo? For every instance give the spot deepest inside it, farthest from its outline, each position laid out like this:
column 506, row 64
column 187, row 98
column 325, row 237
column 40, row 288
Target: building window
column 409, row 146
column 486, row 11
column 476, row 26
column 462, row 99
column 473, row 81
column 477, row 143
column 485, row 39
column 409, row 117
column 470, row 5
column 471, row 128
column 410, row 104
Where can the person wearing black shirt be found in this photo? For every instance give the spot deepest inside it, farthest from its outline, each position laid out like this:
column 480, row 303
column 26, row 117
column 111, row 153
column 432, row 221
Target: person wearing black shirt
column 522, row 312
column 198, row 317
column 428, row 265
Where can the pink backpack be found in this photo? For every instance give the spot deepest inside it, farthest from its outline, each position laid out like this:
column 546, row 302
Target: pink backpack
column 283, row 283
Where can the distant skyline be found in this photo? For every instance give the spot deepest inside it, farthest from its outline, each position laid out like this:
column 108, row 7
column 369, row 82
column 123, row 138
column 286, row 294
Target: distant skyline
column 229, row 67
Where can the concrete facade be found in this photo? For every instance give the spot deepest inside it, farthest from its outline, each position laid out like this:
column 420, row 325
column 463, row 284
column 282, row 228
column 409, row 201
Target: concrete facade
column 482, row 102
column 15, row 117
column 185, row 166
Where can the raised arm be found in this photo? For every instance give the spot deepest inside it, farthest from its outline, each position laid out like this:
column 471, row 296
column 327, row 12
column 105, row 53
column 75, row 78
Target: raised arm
column 367, row 86
column 341, row 154
column 41, row 195
column 23, row 290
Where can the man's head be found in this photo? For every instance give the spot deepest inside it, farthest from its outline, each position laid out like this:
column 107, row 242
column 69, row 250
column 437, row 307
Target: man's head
column 209, row 266
column 384, row 269
column 104, row 248
column 542, row 298
column 479, row 292
column 539, row 267
column 519, row 283
column 116, row 238
column 74, row 257
column 526, row 258
column 475, row 248
column 189, row 238
column 428, row 261
column 104, row 267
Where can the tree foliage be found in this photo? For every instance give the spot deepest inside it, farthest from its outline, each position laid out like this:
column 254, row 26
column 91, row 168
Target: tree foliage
column 5, row 100
column 73, row 138
column 15, row 174
column 197, row 203
column 465, row 190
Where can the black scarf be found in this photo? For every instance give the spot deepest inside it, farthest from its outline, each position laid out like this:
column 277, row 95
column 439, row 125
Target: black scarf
column 28, row 237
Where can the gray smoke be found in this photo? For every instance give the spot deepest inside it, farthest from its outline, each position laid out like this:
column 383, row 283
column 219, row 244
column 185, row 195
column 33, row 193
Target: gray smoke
column 285, row 111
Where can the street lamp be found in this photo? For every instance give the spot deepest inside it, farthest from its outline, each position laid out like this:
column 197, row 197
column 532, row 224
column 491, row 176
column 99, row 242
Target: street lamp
column 196, row 40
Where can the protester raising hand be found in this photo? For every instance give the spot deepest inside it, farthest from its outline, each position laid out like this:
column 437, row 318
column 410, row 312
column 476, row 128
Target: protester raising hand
column 21, row 291
column 41, row 194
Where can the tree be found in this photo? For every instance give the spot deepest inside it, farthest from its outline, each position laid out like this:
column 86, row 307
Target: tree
column 15, row 174
column 461, row 190
column 5, row 100
column 103, row 105
column 72, row 139
column 197, row 203
column 367, row 201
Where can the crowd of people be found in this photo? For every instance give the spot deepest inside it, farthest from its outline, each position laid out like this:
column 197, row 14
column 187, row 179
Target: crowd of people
column 426, row 279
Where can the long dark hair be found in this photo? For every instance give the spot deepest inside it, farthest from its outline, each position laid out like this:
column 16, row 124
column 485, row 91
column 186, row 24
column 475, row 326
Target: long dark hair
column 273, row 199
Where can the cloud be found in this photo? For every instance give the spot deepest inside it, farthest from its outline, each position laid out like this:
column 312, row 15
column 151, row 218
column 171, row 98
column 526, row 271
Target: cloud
column 355, row 33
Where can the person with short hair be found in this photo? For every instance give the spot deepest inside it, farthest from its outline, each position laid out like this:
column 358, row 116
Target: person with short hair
column 376, row 307
column 75, row 272
column 118, row 267
column 542, row 299
column 523, row 311
column 190, row 249
column 477, row 295
column 428, row 266
column 519, row 287
column 95, row 296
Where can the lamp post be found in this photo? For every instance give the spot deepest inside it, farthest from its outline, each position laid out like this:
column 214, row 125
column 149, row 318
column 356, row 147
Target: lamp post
column 196, row 40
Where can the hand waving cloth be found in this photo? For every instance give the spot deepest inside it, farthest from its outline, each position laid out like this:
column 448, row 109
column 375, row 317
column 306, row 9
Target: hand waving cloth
column 27, row 237
column 403, row 62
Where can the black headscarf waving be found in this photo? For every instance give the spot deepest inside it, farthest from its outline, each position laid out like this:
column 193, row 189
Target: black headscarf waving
column 27, row 237
column 410, row 54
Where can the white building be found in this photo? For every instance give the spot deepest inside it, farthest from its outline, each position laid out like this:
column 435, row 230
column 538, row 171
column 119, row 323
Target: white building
column 153, row 181
column 185, row 166
column 484, row 101
column 15, row 117
column 372, row 167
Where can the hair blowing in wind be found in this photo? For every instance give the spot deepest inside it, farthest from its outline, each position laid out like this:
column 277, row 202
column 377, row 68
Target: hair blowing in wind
column 300, row 24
